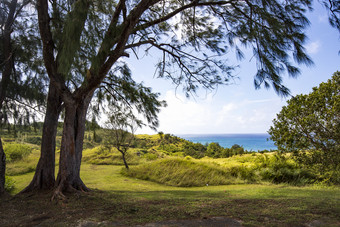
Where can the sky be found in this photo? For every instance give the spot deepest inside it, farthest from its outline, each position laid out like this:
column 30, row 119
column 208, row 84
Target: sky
column 239, row 108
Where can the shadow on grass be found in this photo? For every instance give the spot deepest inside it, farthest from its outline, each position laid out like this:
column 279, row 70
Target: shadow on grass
column 121, row 208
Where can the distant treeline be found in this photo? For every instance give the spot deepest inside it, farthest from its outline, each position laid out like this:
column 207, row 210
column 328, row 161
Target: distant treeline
column 171, row 144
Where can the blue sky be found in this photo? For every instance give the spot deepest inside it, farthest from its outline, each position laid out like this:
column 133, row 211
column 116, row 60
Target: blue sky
column 239, row 108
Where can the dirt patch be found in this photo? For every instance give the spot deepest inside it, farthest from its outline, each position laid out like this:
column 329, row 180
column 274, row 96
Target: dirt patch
column 205, row 222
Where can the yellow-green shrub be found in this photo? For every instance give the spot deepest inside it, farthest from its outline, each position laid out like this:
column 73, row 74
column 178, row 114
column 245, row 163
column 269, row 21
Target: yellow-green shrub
column 16, row 151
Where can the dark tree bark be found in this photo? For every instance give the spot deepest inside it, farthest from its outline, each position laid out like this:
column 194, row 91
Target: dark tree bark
column 68, row 179
column 124, row 159
column 2, row 169
column 44, row 177
column 6, row 73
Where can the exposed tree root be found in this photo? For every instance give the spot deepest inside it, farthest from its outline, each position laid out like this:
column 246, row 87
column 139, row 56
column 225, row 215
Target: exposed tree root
column 64, row 187
column 58, row 195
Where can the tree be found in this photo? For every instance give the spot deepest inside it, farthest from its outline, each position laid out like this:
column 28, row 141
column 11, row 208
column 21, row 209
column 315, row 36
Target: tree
column 333, row 7
column 121, row 127
column 214, row 150
column 22, row 75
column 309, row 126
column 85, row 42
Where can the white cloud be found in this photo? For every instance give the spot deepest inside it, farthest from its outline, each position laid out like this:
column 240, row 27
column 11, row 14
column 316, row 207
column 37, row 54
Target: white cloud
column 313, row 47
column 184, row 116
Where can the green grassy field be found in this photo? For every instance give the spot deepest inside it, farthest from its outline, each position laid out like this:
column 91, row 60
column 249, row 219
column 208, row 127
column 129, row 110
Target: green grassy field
column 116, row 199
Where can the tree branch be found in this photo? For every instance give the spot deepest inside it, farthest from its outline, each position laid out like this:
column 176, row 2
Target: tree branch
column 175, row 12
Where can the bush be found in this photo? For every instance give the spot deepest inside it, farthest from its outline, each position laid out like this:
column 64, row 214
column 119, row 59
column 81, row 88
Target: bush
column 9, row 184
column 16, row 152
column 279, row 169
column 33, row 140
column 309, row 126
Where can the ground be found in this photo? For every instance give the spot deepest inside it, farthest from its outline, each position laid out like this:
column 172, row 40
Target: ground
column 116, row 200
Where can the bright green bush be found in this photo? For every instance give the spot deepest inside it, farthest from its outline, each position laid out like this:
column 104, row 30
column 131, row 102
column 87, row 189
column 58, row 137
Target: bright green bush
column 9, row 184
column 16, row 152
column 309, row 126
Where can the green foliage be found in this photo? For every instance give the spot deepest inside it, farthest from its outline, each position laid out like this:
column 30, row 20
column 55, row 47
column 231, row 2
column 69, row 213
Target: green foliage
column 33, row 140
column 214, row 150
column 280, row 169
column 309, row 126
column 9, row 184
column 181, row 172
column 16, row 152
column 195, row 150
column 26, row 165
column 102, row 155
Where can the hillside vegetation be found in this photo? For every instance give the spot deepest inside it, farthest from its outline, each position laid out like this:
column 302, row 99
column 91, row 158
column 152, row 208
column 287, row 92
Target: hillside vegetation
column 164, row 182
column 170, row 160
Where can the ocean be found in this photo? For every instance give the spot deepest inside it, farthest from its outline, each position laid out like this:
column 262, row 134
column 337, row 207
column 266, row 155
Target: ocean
column 250, row 142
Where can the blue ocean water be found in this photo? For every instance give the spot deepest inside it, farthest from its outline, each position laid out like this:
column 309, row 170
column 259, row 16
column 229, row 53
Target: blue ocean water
column 254, row 142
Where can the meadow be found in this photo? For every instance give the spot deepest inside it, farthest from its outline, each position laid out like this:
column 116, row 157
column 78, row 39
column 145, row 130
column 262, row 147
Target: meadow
column 164, row 183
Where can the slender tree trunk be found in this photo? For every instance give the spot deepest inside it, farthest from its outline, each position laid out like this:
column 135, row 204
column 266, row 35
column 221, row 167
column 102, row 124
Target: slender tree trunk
column 2, row 169
column 44, row 177
column 68, row 179
column 125, row 163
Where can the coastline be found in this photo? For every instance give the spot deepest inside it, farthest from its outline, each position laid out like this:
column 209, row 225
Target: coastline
column 249, row 141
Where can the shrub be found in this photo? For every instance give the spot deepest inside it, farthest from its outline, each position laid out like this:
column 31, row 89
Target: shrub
column 280, row 169
column 9, row 184
column 309, row 126
column 33, row 140
column 16, row 152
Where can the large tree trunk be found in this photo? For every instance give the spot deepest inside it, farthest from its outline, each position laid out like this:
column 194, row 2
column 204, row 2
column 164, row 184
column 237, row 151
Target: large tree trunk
column 2, row 169
column 6, row 73
column 44, row 177
column 68, row 179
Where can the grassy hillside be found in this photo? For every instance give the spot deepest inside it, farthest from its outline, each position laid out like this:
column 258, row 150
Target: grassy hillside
column 117, row 199
column 166, row 183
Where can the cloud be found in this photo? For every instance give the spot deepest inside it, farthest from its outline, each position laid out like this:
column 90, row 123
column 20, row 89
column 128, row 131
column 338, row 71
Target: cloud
column 313, row 47
column 184, row 116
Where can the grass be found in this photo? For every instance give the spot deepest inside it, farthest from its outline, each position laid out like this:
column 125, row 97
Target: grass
column 182, row 173
column 118, row 199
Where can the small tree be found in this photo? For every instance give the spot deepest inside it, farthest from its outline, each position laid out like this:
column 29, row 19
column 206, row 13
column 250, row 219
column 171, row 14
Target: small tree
column 214, row 150
column 121, row 127
column 309, row 126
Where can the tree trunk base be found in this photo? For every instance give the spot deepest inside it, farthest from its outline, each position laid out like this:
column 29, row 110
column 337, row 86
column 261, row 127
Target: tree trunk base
column 65, row 187
column 42, row 181
column 2, row 169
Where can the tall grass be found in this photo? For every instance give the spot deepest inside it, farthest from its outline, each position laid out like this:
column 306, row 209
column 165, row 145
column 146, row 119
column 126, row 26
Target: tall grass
column 102, row 155
column 187, row 172
column 182, row 172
